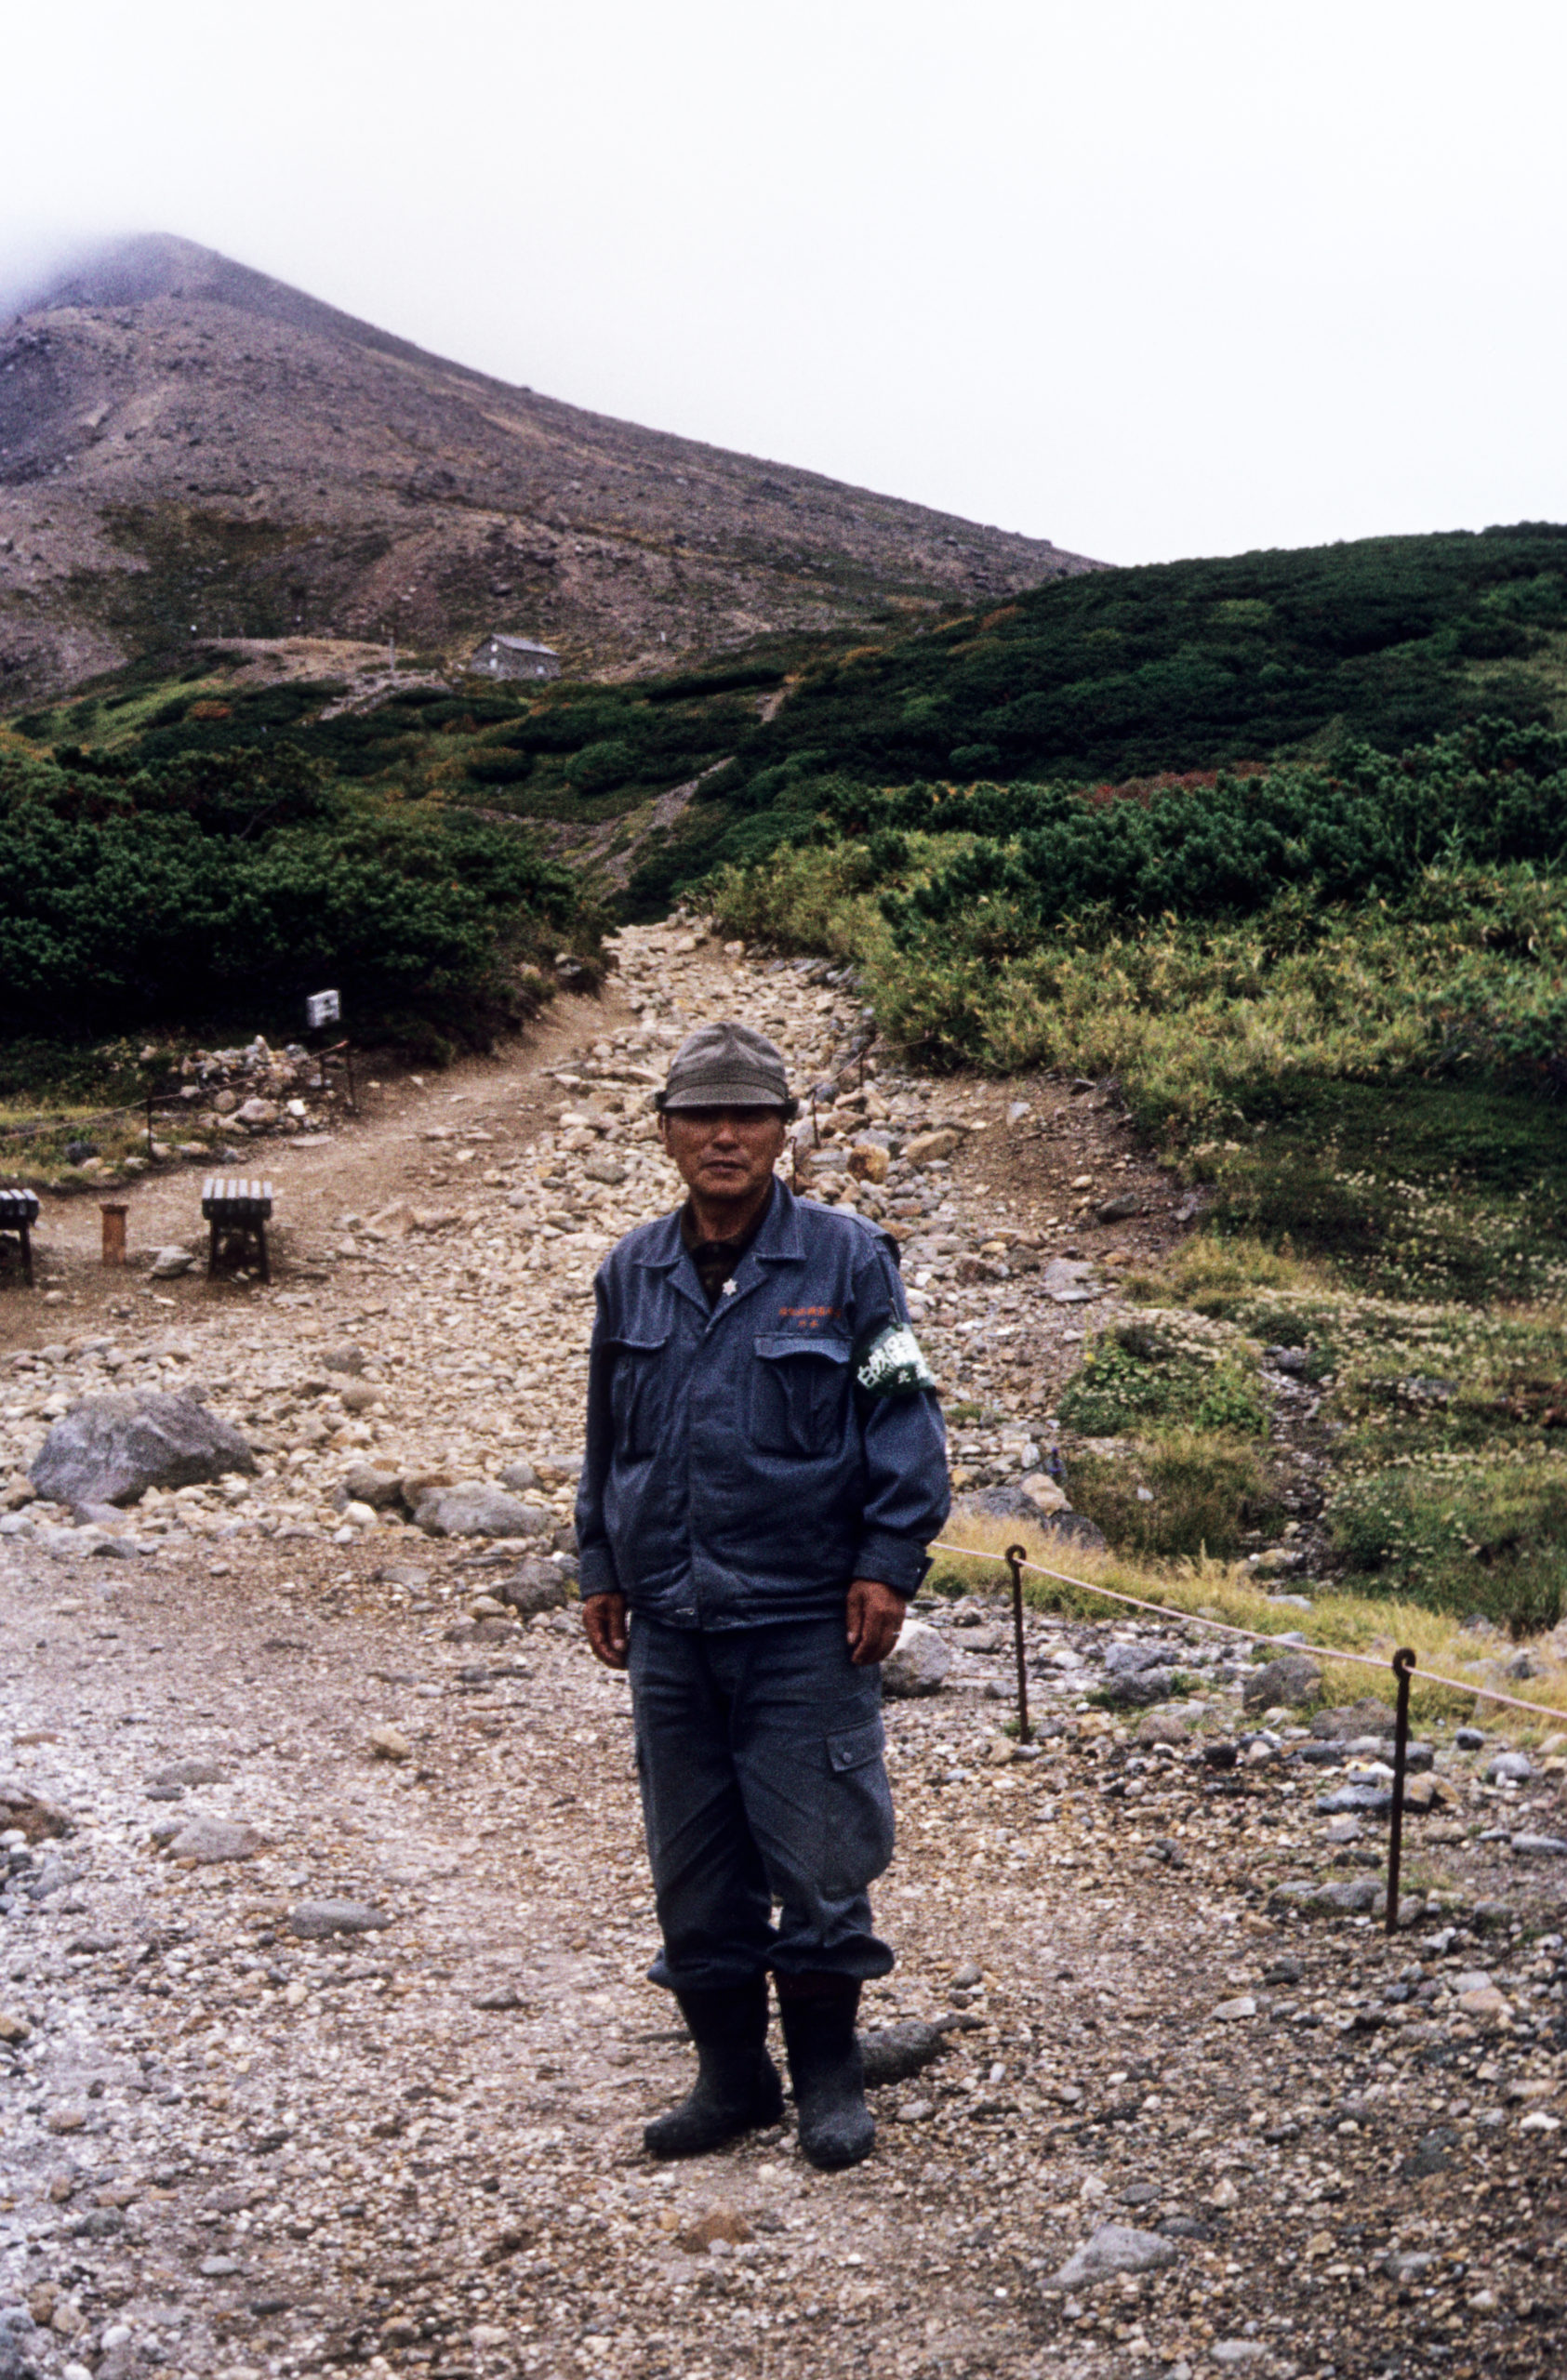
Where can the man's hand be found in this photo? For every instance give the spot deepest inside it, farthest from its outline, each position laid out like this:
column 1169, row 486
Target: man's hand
column 604, row 1617
column 875, row 1618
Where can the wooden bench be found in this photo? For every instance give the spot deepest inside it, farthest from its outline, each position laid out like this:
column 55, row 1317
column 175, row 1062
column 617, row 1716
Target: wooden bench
column 236, row 1212
column 19, row 1213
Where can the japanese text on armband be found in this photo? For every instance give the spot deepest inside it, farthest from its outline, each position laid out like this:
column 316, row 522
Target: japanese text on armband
column 891, row 1364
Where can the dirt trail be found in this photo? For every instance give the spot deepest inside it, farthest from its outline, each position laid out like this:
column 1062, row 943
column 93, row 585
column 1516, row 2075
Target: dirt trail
column 231, row 2149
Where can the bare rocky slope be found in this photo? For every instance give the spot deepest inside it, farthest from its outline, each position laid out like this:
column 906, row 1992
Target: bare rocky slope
column 190, row 447
column 325, row 2033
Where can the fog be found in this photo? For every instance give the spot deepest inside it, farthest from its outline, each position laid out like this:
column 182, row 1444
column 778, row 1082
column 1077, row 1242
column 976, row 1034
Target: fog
column 1148, row 280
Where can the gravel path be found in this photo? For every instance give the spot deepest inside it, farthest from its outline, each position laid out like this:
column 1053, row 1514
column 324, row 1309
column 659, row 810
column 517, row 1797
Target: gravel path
column 232, row 2142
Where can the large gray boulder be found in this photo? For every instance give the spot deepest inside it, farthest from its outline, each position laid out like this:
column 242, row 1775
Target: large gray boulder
column 918, row 1662
column 475, row 1508
column 111, row 1450
column 1291, row 1680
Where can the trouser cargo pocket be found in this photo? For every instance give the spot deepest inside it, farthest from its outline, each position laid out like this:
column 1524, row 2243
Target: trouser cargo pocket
column 857, row 1809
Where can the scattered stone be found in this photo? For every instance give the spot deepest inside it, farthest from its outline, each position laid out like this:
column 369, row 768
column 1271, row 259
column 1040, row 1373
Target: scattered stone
column 390, row 1743
column 1367, row 1801
column 189, row 1772
column 369, row 1485
column 33, row 1815
column 1161, row 1727
column 1539, row 1846
column 1115, row 2248
column 1119, row 1209
column 410, row 1576
column 1138, row 1674
column 110, row 1449
column 927, row 1146
column 1294, row 1680
column 313, row 1921
column 518, row 1476
column 171, row 1262
column 534, row 1587
column 918, row 1662
column 1367, row 1717
column 346, row 1359
column 1484, row 2001
column 13, row 2029
column 896, row 2053
column 1514, row 1768
column 475, row 1508
column 19, row 2336
column 1355, row 1898
column 718, row 2223
column 1230, row 2012
column 209, row 1841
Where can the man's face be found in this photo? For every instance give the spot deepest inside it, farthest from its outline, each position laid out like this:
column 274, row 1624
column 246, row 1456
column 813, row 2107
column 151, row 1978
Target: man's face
column 725, row 1153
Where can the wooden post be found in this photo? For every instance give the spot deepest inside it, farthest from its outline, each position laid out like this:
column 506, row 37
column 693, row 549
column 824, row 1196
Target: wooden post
column 113, row 1212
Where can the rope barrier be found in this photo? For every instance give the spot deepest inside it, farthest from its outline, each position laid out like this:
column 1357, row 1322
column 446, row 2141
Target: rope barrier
column 1254, row 1636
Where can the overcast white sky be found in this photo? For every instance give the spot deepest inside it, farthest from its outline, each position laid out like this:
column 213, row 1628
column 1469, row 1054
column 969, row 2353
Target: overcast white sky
column 1149, row 277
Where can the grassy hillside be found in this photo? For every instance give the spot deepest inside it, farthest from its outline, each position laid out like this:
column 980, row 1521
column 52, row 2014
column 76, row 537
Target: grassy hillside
column 1115, row 676
column 1333, row 992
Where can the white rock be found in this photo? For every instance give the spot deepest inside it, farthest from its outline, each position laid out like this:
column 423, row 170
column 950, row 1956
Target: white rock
column 918, row 1662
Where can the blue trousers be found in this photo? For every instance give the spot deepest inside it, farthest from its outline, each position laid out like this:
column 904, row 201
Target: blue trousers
column 760, row 1757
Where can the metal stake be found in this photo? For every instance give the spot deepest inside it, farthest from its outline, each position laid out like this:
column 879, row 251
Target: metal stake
column 1403, row 1663
column 1016, row 1555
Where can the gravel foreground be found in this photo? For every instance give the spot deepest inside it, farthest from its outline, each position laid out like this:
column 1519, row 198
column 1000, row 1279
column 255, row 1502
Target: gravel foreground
column 325, row 2036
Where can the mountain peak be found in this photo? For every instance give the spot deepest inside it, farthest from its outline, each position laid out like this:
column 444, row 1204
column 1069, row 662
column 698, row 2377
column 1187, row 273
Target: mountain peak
column 189, row 447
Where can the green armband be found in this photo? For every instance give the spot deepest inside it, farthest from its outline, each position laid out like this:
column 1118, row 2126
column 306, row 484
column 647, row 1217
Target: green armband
column 892, row 1363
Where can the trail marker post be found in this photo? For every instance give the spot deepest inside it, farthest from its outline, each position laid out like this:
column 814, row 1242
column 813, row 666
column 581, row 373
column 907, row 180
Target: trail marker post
column 1016, row 1555
column 1403, row 1664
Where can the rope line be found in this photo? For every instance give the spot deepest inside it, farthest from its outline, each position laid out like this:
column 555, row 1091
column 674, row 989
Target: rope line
column 1254, row 1636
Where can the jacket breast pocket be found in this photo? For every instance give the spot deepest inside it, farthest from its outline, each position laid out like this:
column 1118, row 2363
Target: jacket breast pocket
column 798, row 1394
column 636, row 1393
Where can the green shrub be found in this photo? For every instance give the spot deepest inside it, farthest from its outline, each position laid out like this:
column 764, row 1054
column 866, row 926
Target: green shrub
column 598, row 766
column 241, row 880
column 1157, row 1373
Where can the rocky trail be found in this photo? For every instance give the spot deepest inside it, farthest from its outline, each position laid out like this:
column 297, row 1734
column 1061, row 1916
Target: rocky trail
column 325, row 2037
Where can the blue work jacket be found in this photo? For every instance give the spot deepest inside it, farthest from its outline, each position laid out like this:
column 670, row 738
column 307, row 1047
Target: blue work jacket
column 738, row 1469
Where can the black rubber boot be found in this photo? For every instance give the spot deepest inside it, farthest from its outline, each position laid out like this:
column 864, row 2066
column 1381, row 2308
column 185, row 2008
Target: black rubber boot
column 818, row 2013
column 737, row 2088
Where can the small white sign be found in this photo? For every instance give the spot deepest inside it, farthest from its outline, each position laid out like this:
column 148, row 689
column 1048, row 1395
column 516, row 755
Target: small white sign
column 323, row 1008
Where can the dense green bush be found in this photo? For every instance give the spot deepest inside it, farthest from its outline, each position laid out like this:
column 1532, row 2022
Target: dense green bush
column 1362, row 830
column 242, row 879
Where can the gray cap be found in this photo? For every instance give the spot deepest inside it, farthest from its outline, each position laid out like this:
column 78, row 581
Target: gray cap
column 726, row 1065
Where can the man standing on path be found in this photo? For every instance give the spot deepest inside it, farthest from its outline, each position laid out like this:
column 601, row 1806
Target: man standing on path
column 765, row 1466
